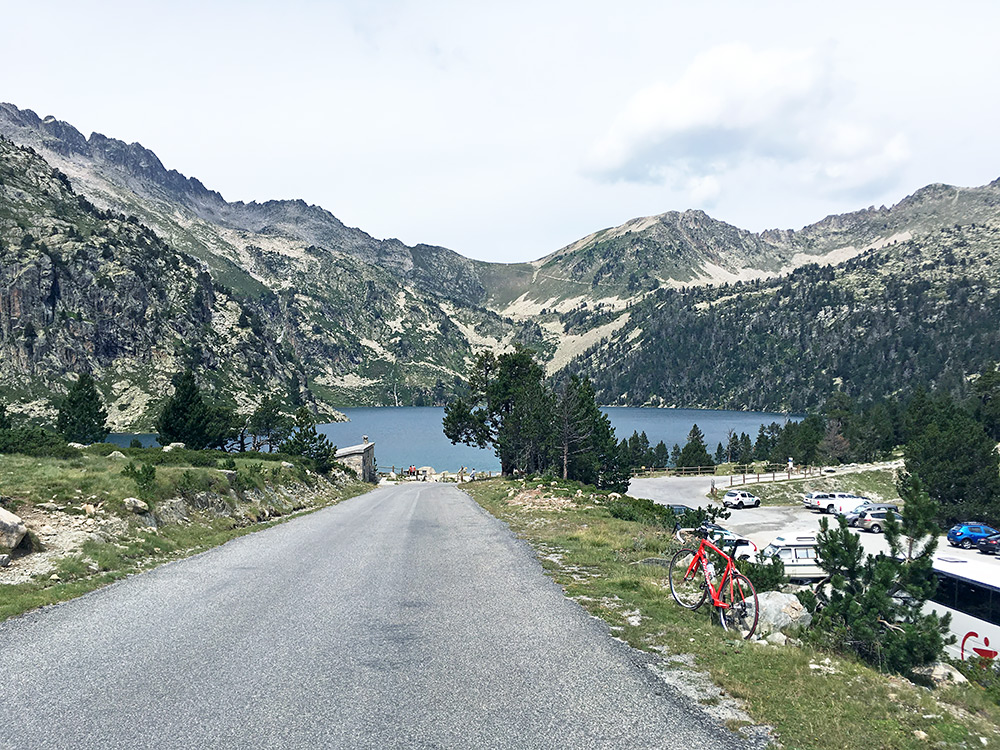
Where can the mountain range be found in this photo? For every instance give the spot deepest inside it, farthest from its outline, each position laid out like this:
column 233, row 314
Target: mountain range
column 115, row 264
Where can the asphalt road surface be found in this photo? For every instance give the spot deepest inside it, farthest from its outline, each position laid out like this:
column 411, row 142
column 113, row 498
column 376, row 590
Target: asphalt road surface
column 406, row 618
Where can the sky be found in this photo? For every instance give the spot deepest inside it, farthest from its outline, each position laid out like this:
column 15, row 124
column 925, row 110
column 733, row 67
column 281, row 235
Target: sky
column 506, row 131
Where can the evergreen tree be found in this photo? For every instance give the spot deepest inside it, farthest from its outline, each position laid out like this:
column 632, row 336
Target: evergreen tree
column 577, row 424
column 187, row 418
column 5, row 423
column 873, row 606
column 82, row 417
column 306, row 441
column 675, row 455
column 661, row 455
column 586, row 442
column 694, row 453
column 746, row 449
column 720, row 454
column 509, row 408
column 987, row 402
column 956, row 460
column 268, row 425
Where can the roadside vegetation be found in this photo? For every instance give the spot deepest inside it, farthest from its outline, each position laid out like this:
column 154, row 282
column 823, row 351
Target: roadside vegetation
column 194, row 500
column 110, row 511
column 613, row 568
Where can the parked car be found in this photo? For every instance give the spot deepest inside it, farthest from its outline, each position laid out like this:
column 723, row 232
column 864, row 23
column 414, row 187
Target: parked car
column 799, row 555
column 855, row 515
column 816, row 500
column 874, row 520
column 843, row 502
column 990, row 544
column 968, row 533
column 740, row 499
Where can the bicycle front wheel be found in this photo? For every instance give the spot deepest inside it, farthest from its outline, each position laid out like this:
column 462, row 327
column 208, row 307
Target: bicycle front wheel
column 687, row 582
column 741, row 611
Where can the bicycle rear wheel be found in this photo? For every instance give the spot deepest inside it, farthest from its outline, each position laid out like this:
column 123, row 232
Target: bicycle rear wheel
column 687, row 582
column 740, row 614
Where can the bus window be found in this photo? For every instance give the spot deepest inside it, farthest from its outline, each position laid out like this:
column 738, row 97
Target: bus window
column 973, row 600
column 945, row 593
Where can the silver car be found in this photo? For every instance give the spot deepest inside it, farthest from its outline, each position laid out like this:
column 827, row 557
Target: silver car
column 855, row 515
column 874, row 520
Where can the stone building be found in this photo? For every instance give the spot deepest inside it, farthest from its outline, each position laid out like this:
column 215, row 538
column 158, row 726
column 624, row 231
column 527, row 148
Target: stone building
column 361, row 458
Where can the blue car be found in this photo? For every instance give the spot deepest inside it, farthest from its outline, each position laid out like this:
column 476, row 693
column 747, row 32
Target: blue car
column 967, row 535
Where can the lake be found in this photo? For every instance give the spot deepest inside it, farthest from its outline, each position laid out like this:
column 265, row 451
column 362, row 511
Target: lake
column 407, row 435
column 412, row 434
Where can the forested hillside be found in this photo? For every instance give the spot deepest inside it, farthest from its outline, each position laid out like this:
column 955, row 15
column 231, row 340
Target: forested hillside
column 925, row 312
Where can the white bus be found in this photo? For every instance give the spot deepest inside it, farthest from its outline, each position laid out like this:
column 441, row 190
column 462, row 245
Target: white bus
column 969, row 590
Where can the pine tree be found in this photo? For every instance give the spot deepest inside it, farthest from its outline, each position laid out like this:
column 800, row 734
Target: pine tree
column 5, row 423
column 306, row 441
column 508, row 407
column 82, row 417
column 694, row 453
column 873, row 606
column 268, row 425
column 187, row 418
column 955, row 459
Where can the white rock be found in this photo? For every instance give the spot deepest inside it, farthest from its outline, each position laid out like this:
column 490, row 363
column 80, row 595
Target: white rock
column 941, row 674
column 12, row 529
column 173, row 446
column 777, row 611
column 117, row 454
column 287, row 465
column 135, row 505
column 78, row 446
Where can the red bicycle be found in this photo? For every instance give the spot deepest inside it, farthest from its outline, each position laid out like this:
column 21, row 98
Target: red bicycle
column 735, row 598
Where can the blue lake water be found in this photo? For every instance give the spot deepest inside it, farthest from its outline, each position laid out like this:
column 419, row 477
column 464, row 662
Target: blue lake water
column 407, row 435
column 412, row 434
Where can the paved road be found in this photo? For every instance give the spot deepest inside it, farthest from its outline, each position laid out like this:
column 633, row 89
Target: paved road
column 404, row 618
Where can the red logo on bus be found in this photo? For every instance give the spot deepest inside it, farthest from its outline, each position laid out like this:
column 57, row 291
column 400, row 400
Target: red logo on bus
column 986, row 653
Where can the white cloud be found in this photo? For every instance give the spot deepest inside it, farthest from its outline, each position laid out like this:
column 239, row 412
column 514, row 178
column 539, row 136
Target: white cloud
column 735, row 106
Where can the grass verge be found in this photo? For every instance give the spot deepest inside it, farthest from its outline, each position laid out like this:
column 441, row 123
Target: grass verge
column 217, row 506
column 812, row 699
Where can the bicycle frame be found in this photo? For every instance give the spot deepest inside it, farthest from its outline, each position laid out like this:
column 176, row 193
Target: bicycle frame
column 701, row 559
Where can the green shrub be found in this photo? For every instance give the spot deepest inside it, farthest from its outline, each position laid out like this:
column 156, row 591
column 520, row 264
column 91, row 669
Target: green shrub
column 35, row 441
column 983, row 673
column 145, row 478
column 766, row 574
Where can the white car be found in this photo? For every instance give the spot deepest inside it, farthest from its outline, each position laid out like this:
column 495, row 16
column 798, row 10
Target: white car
column 816, row 500
column 740, row 499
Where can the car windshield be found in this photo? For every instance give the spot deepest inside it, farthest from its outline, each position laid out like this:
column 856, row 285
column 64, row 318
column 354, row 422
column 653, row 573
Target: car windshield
column 769, row 551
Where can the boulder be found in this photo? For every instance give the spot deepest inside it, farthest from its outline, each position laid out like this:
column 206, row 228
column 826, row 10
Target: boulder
column 117, row 454
column 4, row 561
column 287, row 465
column 78, row 446
column 12, row 529
column 173, row 446
column 777, row 611
column 135, row 505
column 940, row 674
